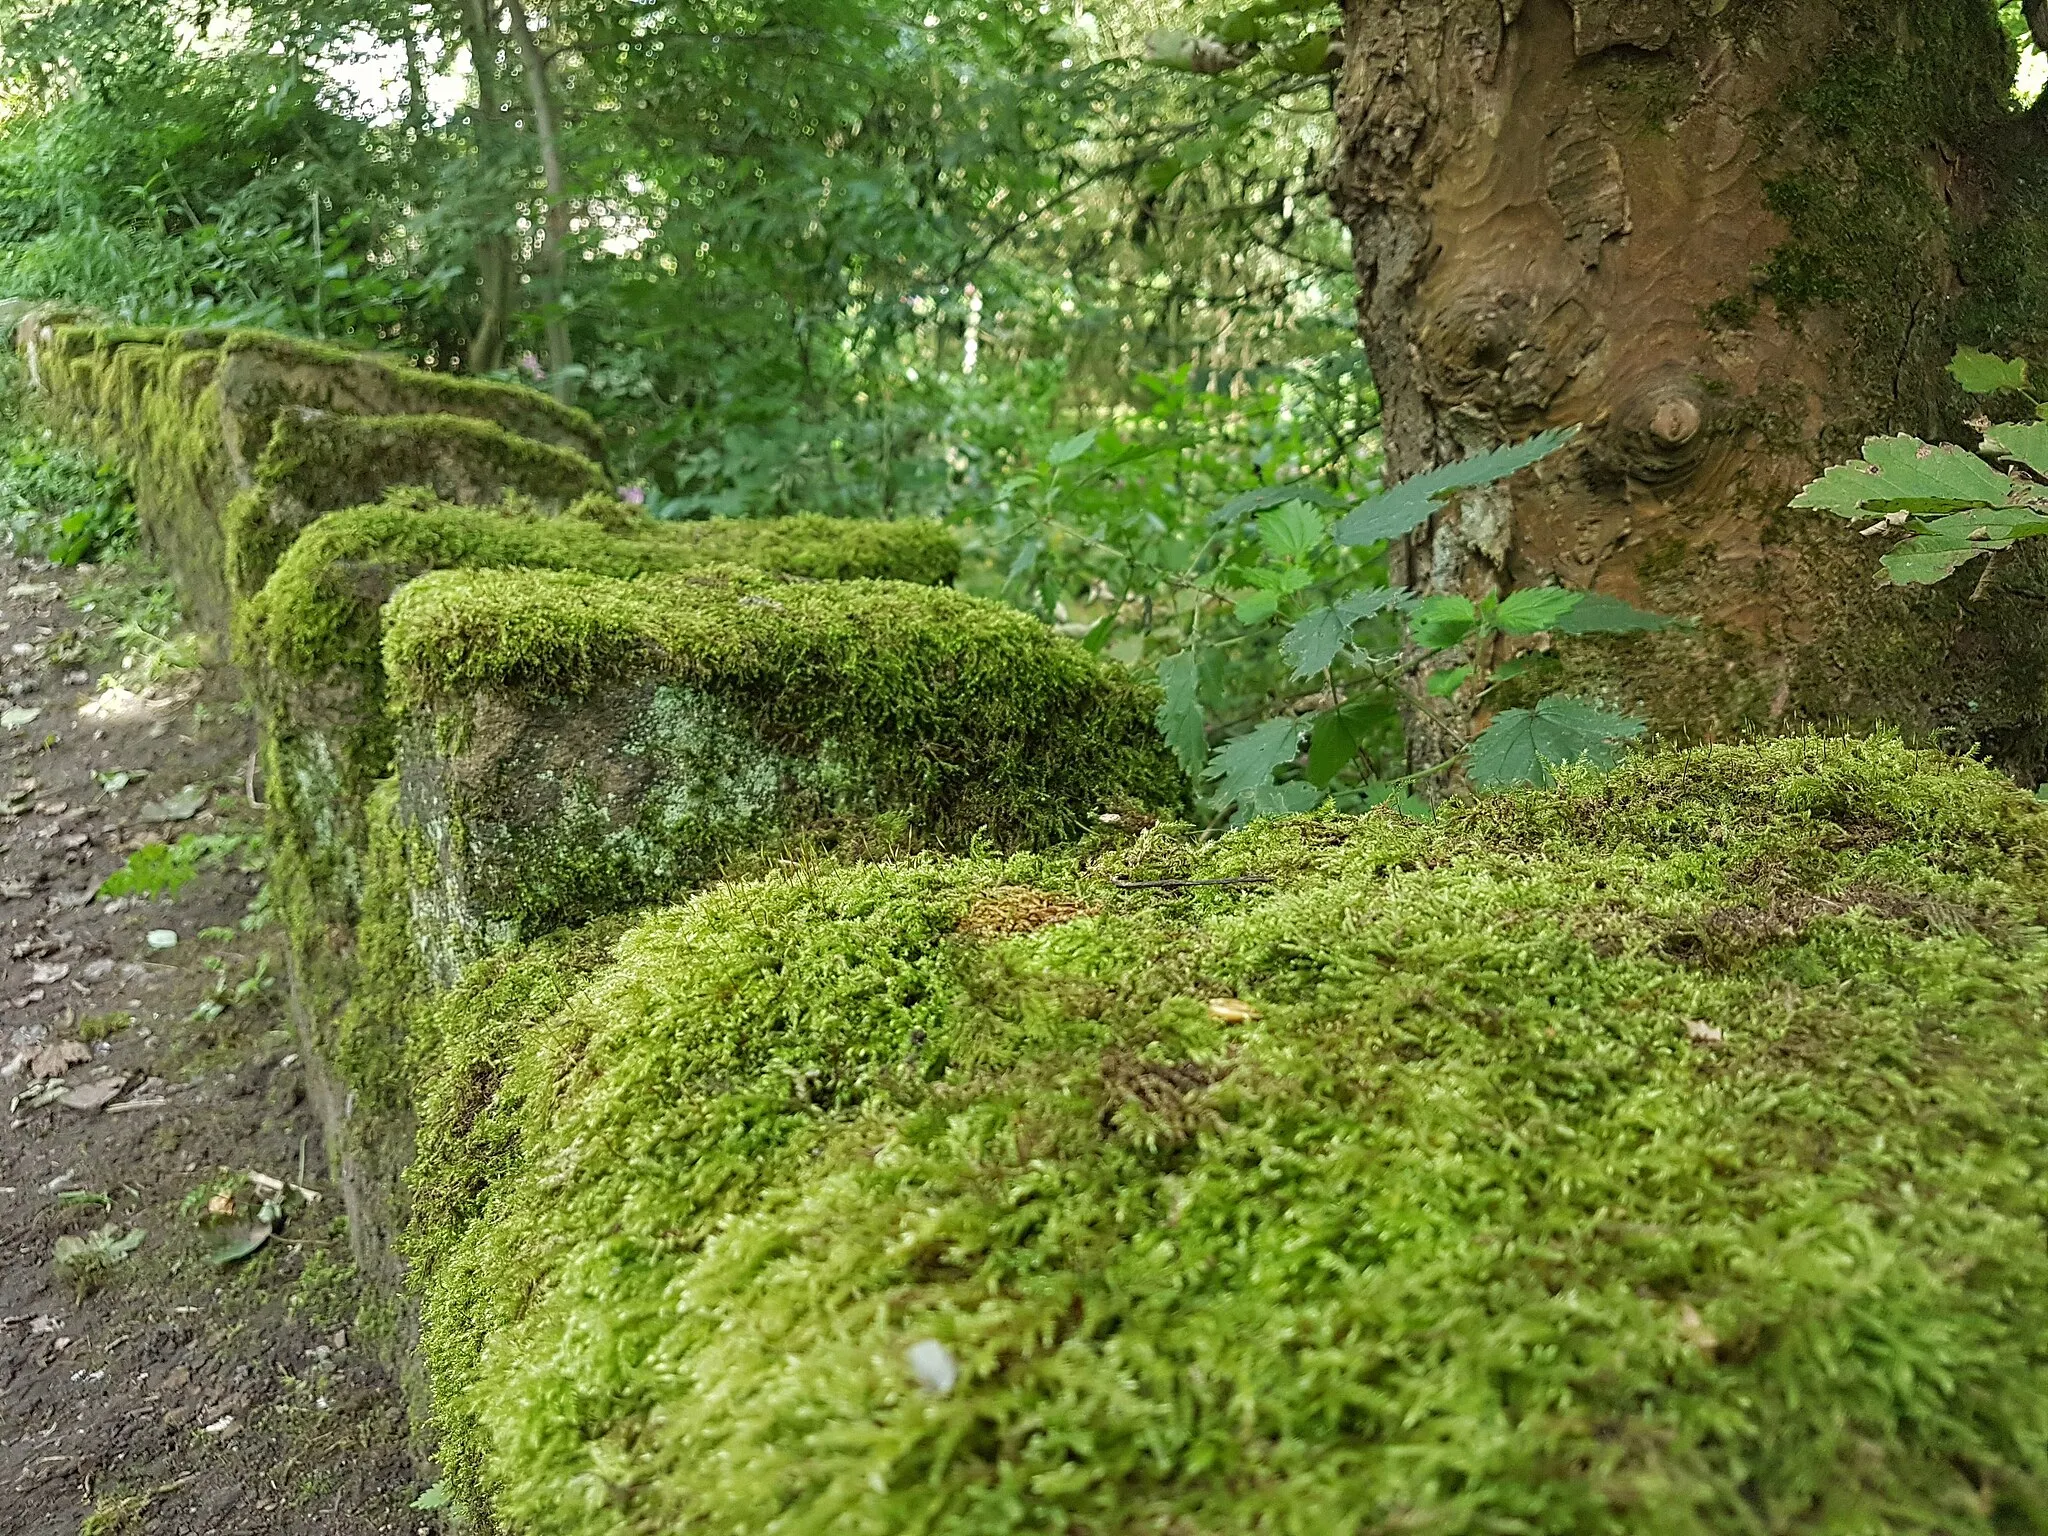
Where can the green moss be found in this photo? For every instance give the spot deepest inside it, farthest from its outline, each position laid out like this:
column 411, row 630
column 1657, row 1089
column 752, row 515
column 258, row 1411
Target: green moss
column 1871, row 236
column 319, row 462
column 320, row 610
column 260, row 432
column 1659, row 1152
column 525, row 411
column 311, row 637
column 835, row 699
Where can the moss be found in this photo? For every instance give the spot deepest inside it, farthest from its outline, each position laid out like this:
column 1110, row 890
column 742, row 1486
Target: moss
column 1659, row 1151
column 311, row 637
column 1870, row 234
column 414, row 391
column 755, row 706
column 320, row 610
column 200, row 419
column 317, row 462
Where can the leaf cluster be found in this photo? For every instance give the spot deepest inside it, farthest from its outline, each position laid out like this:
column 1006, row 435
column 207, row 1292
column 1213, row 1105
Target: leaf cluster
column 1952, row 505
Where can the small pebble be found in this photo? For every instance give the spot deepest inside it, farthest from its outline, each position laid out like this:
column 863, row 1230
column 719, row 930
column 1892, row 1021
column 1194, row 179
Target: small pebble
column 933, row 1366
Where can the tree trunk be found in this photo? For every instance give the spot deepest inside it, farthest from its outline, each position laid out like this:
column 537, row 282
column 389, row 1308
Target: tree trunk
column 1729, row 240
column 556, row 175
column 496, row 262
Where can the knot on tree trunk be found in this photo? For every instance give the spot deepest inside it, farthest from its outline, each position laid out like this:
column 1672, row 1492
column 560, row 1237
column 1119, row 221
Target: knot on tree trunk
column 1659, row 431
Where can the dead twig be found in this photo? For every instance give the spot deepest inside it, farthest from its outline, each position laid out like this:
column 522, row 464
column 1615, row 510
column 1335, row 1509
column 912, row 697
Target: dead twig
column 1180, row 885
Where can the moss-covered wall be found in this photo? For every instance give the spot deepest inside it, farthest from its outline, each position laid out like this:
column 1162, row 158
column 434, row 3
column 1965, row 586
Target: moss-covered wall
column 317, row 461
column 577, row 744
column 234, row 439
column 1658, row 1153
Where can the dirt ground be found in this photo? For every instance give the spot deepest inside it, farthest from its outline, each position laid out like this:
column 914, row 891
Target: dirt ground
column 155, row 1383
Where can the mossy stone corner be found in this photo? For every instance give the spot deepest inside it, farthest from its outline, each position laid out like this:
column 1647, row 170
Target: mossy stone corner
column 576, row 744
column 237, row 437
column 317, row 461
column 1658, row 1152
column 310, row 640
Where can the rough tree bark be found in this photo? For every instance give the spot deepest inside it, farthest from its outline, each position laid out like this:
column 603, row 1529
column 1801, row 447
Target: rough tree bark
column 1730, row 238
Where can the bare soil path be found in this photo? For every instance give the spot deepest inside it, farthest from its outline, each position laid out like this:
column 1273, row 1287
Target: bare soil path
column 145, row 1384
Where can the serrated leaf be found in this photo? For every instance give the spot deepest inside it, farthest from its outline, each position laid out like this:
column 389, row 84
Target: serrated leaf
column 1338, row 734
column 1533, row 610
column 1291, row 531
column 1318, row 636
column 1996, row 525
column 1600, row 614
column 1256, row 608
column 1443, row 620
column 1408, row 505
column 1924, row 561
column 2026, row 441
column 1245, row 762
column 1523, row 746
column 1442, row 685
column 1072, row 449
column 1290, row 799
column 1180, row 713
column 1280, row 579
column 1986, row 373
column 1272, row 496
column 1314, row 640
column 1904, row 468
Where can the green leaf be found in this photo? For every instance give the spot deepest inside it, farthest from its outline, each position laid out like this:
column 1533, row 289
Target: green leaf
column 1924, row 561
column 1073, row 447
column 1256, row 608
column 1272, row 496
column 1986, row 373
column 2026, row 441
column 1535, row 609
column 1408, row 505
column 1290, row 799
column 1444, row 620
column 1442, row 685
column 1905, row 469
column 1291, row 531
column 1180, row 713
column 1316, row 638
column 436, row 1497
column 1245, row 762
column 1600, row 614
column 236, row 1249
column 1338, row 734
column 1996, row 526
column 1523, row 746
column 1280, row 579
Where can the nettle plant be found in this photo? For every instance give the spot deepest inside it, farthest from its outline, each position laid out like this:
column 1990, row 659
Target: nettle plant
column 1949, row 504
column 1285, row 657
column 1360, row 651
